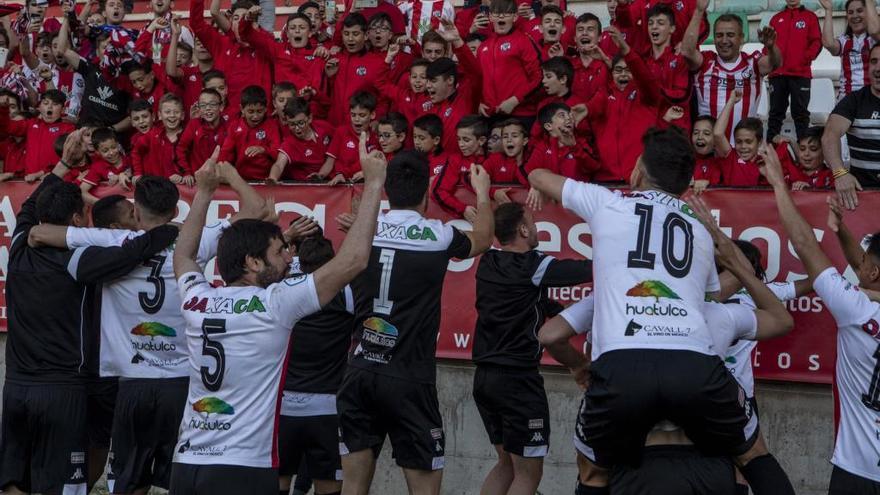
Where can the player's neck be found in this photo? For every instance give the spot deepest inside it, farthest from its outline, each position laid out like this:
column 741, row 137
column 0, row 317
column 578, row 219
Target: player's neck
column 520, row 245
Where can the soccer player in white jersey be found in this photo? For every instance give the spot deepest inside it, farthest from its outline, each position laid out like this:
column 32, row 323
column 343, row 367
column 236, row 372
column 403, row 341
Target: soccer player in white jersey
column 856, row 456
column 142, row 332
column 719, row 73
column 237, row 337
column 653, row 267
column 671, row 465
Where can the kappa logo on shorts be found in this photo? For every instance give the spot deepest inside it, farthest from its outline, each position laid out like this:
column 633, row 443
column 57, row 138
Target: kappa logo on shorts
column 436, row 433
column 537, row 437
column 536, row 424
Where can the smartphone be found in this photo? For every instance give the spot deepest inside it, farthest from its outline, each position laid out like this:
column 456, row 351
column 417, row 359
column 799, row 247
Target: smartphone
column 484, row 9
column 4, row 54
column 330, row 10
column 366, row 4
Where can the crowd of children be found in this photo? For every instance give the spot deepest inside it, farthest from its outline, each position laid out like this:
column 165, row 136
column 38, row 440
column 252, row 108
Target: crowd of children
column 510, row 86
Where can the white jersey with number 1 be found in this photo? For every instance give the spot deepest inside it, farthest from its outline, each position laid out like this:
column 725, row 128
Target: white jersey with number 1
column 653, row 263
column 857, row 375
column 237, row 339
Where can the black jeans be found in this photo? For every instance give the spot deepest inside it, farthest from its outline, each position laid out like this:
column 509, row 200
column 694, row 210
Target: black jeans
column 781, row 89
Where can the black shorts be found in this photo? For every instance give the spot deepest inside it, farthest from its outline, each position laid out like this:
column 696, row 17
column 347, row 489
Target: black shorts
column 102, row 402
column 44, row 443
column 145, row 427
column 675, row 470
column 845, row 483
column 372, row 406
column 632, row 390
column 218, row 479
column 866, row 177
column 314, row 439
column 513, row 405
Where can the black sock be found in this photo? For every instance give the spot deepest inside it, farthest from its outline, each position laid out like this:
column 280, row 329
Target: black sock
column 283, row 492
column 742, row 489
column 590, row 490
column 766, row 476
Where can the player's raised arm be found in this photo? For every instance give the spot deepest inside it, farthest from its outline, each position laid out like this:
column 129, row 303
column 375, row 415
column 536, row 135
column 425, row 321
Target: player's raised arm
column 852, row 250
column 548, row 183
column 253, row 205
column 354, row 254
column 484, row 225
column 799, row 231
column 774, row 320
column 558, row 331
column 207, row 180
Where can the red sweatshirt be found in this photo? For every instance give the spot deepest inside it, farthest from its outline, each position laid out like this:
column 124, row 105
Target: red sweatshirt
column 533, row 29
column 154, row 154
column 576, row 162
column 294, row 65
column 464, row 18
column 100, row 170
column 736, row 172
column 241, row 137
column 12, row 153
column 503, row 169
column 306, row 157
column 242, row 65
column 821, row 178
column 357, row 71
column 454, row 175
column 511, row 65
column 620, row 118
column 799, row 39
column 708, row 168
column 344, row 149
column 437, row 162
column 633, row 19
column 588, row 79
column 403, row 99
column 461, row 103
column 670, row 72
column 191, row 84
column 39, row 140
column 198, row 141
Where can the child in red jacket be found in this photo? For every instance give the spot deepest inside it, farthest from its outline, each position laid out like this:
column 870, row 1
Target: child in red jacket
column 707, row 171
column 412, row 100
column 392, row 131
column 252, row 144
column 472, row 131
column 427, row 136
column 343, row 158
column 560, row 150
column 304, row 150
column 739, row 165
column 809, row 171
column 39, row 134
column 109, row 165
column 510, row 62
column 155, row 152
column 203, row 134
column 11, row 148
column 800, row 41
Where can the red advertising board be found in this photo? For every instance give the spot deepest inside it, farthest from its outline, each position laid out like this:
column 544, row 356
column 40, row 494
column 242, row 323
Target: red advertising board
column 806, row 355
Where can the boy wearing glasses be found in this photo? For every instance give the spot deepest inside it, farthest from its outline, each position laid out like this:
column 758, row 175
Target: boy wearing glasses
column 203, row 134
column 511, row 67
column 304, row 148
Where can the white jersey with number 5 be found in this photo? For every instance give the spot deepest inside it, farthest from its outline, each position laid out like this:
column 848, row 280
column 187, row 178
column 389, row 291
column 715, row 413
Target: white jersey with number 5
column 857, row 375
column 142, row 330
column 653, row 264
column 237, row 339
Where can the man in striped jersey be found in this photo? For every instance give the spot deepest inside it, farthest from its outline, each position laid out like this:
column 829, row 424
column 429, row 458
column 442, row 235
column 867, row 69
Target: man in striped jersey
column 858, row 116
column 719, row 74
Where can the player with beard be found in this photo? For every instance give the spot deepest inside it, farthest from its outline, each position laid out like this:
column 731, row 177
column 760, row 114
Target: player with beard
column 237, row 337
column 509, row 391
column 651, row 313
column 389, row 388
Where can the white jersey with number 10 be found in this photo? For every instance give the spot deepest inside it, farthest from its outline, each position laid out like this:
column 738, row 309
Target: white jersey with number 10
column 653, row 264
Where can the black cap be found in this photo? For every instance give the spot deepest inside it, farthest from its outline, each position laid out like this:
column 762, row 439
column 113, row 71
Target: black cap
column 443, row 66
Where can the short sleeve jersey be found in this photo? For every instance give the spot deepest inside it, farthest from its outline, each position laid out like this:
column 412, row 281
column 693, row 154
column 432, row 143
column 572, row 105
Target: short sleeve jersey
column 738, row 357
column 653, row 265
column 862, row 109
column 397, row 298
column 857, row 374
column 101, row 100
column 142, row 329
column 237, row 340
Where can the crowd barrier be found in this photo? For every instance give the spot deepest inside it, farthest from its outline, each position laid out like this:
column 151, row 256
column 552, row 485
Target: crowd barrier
column 806, row 355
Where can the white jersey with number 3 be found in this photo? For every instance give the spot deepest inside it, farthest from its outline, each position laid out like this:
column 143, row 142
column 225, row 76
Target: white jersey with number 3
column 857, row 375
column 237, row 339
column 653, row 264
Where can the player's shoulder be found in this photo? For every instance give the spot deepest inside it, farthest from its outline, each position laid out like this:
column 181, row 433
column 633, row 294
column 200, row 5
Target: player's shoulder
column 409, row 230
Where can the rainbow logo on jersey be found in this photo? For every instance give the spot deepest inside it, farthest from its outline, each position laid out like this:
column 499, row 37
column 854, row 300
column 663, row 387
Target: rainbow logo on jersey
column 378, row 325
column 212, row 405
column 153, row 329
column 652, row 288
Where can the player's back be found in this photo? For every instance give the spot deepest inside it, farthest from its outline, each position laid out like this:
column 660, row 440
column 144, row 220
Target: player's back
column 237, row 339
column 653, row 263
column 397, row 298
